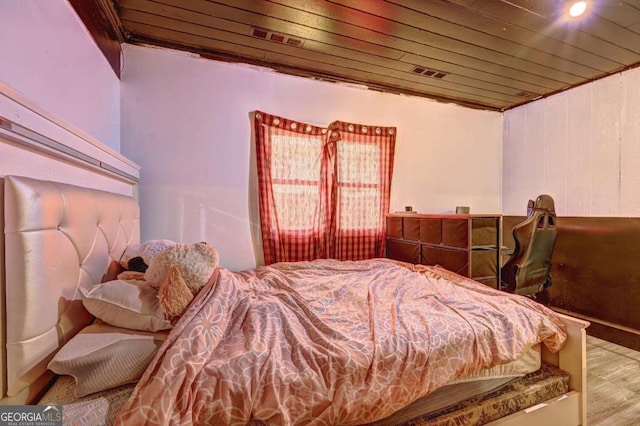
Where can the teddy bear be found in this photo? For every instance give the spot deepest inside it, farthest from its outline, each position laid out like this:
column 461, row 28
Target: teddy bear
column 179, row 272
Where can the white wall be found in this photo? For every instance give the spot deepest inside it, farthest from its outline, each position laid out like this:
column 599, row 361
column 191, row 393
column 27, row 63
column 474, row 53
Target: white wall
column 581, row 147
column 49, row 57
column 185, row 120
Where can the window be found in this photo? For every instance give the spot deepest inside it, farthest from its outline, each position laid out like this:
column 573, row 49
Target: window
column 358, row 186
column 295, row 171
column 323, row 192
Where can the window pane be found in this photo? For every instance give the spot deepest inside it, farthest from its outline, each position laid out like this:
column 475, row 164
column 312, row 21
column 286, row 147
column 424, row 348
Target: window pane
column 358, row 163
column 359, row 207
column 295, row 157
column 296, row 206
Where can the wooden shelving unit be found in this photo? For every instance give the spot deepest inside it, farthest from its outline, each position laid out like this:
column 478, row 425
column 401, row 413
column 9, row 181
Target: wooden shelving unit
column 468, row 244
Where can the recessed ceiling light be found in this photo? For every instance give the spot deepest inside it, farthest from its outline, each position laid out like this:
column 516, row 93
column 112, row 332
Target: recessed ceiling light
column 578, row 8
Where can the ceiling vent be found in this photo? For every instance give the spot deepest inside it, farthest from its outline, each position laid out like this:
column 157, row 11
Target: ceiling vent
column 429, row 72
column 276, row 37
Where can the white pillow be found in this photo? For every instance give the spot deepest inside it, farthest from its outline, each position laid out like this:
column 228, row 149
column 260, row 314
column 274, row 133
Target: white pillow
column 129, row 304
column 147, row 251
column 102, row 357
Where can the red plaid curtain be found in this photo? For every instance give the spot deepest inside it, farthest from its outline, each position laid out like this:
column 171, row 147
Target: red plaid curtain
column 324, row 192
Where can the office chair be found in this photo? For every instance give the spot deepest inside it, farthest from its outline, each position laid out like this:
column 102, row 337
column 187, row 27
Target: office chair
column 528, row 270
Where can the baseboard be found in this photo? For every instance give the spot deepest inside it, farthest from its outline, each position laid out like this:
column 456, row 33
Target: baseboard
column 614, row 333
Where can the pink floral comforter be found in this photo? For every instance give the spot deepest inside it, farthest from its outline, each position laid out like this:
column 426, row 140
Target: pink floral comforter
column 329, row 342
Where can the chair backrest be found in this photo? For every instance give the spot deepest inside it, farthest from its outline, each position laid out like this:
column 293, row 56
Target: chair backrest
column 528, row 271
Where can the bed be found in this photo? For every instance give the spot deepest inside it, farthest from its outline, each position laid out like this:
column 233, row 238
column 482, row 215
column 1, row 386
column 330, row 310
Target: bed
column 74, row 238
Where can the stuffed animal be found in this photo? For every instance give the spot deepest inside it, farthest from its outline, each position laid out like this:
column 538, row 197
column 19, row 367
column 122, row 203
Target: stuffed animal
column 179, row 273
column 137, row 257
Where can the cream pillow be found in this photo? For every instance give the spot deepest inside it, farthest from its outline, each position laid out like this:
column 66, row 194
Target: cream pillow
column 129, row 304
column 102, row 357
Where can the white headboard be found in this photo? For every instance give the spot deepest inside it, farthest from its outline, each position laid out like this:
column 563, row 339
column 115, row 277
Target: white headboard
column 57, row 238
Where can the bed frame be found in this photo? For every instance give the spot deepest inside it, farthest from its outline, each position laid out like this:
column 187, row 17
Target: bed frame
column 570, row 408
column 57, row 238
column 61, row 237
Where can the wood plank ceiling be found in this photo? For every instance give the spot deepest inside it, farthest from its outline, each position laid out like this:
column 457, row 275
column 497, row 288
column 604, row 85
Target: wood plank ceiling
column 487, row 54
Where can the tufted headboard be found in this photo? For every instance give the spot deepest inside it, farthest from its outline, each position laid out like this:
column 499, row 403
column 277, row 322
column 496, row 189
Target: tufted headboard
column 57, row 238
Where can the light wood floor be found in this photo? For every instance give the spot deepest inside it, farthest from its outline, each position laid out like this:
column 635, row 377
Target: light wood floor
column 613, row 384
